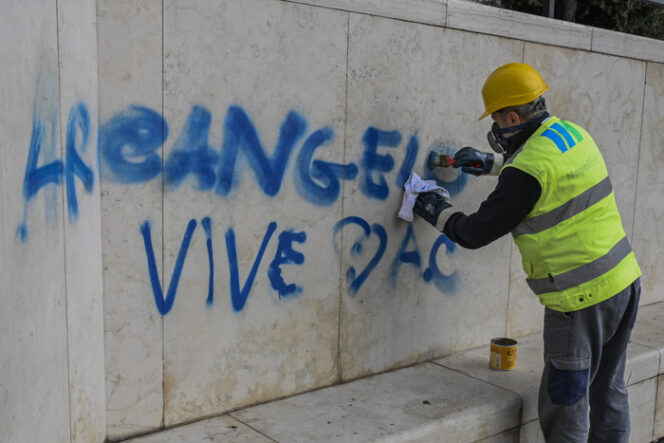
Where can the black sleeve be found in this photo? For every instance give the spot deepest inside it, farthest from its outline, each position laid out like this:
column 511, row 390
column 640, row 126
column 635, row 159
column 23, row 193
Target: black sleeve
column 514, row 197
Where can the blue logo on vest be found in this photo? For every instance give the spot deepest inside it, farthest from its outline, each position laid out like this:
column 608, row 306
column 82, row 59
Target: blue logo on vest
column 560, row 135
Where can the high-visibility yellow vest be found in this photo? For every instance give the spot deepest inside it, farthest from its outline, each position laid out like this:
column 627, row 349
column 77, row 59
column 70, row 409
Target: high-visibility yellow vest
column 573, row 245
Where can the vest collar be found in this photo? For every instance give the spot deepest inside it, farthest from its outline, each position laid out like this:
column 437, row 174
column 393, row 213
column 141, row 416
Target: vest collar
column 517, row 140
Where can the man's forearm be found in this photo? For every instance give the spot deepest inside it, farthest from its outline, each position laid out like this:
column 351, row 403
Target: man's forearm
column 510, row 202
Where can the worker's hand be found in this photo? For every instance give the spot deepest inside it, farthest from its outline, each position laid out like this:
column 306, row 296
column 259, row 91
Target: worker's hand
column 433, row 207
column 472, row 161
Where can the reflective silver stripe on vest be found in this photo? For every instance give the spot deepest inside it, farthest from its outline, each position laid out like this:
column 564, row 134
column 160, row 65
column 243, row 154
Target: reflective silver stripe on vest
column 567, row 210
column 583, row 273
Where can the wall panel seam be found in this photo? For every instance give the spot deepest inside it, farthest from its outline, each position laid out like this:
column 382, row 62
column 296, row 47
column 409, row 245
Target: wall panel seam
column 254, row 429
column 343, row 193
column 654, row 410
column 64, row 219
column 163, row 228
column 640, row 147
column 376, row 14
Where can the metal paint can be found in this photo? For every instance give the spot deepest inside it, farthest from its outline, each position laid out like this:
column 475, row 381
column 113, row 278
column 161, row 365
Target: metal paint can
column 503, row 354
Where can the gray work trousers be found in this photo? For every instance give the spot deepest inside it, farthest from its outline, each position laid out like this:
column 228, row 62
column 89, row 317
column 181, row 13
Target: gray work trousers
column 582, row 395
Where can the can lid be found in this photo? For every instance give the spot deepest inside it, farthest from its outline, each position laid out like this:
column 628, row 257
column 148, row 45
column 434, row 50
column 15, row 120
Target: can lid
column 503, row 341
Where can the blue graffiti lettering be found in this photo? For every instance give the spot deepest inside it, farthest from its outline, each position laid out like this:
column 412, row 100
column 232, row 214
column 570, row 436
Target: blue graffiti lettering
column 239, row 296
column 42, row 142
column 129, row 137
column 356, row 280
column 207, row 227
column 326, row 172
column 372, row 161
column 286, row 255
column 240, row 133
column 165, row 305
column 37, row 177
column 412, row 256
column 79, row 119
column 192, row 154
column 445, row 283
column 408, row 161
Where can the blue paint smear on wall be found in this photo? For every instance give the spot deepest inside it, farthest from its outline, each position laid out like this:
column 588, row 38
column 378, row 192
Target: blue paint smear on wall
column 409, row 161
column 454, row 187
column 445, row 283
column 192, row 153
column 42, row 143
column 349, row 221
column 37, row 177
column 79, row 119
column 239, row 296
column 403, row 256
column 356, row 280
column 207, row 227
column 240, row 134
column 51, row 111
column 128, row 144
column 164, row 305
column 373, row 162
column 325, row 172
column 286, row 255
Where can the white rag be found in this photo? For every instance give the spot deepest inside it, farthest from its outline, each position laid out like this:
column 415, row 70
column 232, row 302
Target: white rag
column 413, row 186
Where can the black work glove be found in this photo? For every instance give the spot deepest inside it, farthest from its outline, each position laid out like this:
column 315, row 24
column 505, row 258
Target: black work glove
column 430, row 206
column 472, row 161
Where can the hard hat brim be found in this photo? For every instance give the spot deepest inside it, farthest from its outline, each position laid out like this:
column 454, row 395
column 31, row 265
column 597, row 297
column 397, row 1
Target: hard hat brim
column 515, row 101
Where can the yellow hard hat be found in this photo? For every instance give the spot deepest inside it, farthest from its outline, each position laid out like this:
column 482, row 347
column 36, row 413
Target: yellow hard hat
column 512, row 84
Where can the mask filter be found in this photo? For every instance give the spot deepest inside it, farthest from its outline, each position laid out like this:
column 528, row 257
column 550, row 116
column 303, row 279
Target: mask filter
column 496, row 139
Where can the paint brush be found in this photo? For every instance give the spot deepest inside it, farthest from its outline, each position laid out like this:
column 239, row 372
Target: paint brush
column 440, row 160
column 446, row 161
column 440, row 156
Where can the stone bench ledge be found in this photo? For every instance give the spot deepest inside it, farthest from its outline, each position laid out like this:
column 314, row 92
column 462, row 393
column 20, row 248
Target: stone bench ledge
column 643, row 367
column 649, row 330
column 457, row 398
column 419, row 403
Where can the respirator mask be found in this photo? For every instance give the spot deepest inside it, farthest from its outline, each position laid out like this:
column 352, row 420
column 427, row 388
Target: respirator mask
column 496, row 139
column 520, row 133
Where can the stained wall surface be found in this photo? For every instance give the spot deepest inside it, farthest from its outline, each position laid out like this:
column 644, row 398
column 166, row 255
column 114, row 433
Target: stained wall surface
column 275, row 335
column 130, row 104
column 421, row 298
column 51, row 339
column 207, row 218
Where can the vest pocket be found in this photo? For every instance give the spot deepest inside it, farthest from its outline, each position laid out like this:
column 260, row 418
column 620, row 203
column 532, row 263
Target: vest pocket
column 567, row 381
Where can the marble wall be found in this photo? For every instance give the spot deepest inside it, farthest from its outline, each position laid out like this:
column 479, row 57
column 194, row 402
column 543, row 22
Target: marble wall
column 285, row 133
column 130, row 73
column 648, row 234
column 604, row 94
column 239, row 206
column 254, row 73
column 51, row 340
column 419, row 82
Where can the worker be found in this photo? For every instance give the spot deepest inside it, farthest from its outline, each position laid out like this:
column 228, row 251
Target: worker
column 555, row 196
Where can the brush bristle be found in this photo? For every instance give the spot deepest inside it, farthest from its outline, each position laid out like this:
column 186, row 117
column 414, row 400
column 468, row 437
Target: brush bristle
column 446, row 160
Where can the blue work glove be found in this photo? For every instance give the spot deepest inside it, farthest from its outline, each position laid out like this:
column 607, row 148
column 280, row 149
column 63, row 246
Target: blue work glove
column 433, row 207
column 472, row 161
